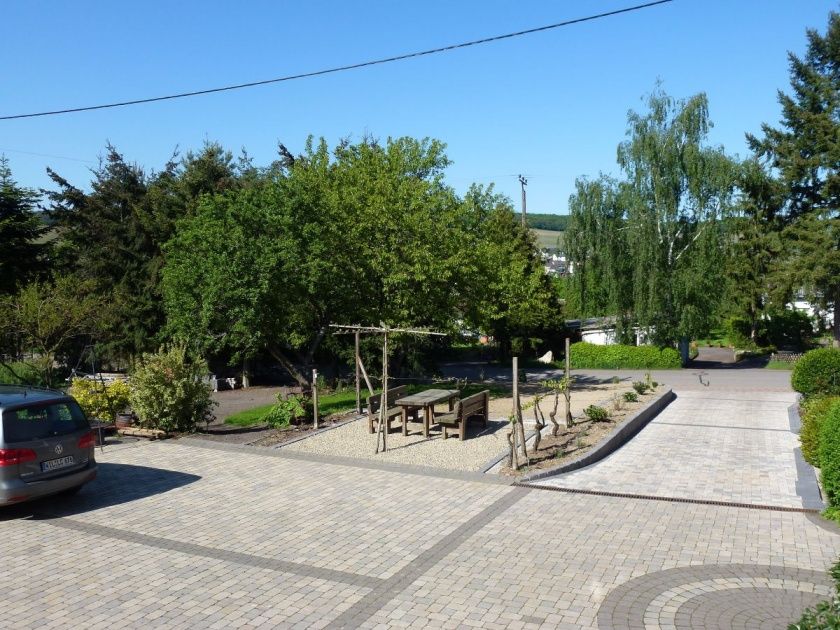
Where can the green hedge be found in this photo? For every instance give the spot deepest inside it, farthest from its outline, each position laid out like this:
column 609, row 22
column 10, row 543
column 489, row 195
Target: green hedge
column 616, row 357
column 817, row 372
column 829, row 450
column 814, row 411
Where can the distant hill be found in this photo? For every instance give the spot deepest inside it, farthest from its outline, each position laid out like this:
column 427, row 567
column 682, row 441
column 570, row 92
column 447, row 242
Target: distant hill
column 556, row 222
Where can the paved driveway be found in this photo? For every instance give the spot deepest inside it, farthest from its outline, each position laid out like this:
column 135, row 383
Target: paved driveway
column 190, row 534
column 712, row 445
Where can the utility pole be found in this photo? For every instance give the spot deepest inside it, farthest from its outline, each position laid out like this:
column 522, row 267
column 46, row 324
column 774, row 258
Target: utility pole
column 523, row 182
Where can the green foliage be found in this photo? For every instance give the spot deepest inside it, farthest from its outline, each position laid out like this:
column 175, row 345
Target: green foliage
column 814, row 411
column 817, row 372
column 22, row 256
column 649, row 247
column 640, row 386
column 631, row 397
column 46, row 319
column 825, row 615
column 21, row 373
column 803, row 151
column 102, row 401
column 617, row 357
column 536, row 221
column 169, row 390
column 829, row 454
column 596, row 413
column 286, row 412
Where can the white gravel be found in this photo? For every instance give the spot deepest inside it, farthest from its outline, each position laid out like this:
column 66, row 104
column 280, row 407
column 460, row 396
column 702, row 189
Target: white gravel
column 481, row 445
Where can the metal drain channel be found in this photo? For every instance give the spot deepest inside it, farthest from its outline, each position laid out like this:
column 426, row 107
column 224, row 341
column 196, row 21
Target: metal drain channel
column 650, row 497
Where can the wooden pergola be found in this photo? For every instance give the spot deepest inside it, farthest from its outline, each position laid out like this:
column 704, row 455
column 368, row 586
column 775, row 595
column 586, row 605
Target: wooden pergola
column 383, row 330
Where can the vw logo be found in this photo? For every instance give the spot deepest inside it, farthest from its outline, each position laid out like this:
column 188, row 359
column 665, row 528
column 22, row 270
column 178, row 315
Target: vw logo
column 59, row 449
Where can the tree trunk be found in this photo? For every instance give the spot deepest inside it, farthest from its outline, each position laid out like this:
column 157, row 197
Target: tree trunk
column 288, row 366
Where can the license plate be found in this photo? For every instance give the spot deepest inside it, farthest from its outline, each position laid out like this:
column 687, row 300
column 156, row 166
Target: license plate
column 53, row 464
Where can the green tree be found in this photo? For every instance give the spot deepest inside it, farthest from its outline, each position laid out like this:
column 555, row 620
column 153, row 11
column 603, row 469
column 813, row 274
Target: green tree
column 668, row 212
column 752, row 247
column 805, row 152
column 22, row 255
column 45, row 319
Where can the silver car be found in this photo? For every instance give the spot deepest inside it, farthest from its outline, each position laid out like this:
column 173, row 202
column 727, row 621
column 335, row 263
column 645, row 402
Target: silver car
column 46, row 444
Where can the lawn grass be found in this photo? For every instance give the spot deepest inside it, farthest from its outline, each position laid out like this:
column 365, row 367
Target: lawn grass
column 717, row 338
column 248, row 417
column 779, row 365
column 345, row 400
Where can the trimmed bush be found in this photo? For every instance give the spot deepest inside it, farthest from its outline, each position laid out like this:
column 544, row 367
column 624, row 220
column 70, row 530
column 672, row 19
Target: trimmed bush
column 590, row 356
column 817, row 372
column 99, row 400
column 169, row 390
column 829, row 450
column 293, row 410
column 596, row 413
column 814, row 411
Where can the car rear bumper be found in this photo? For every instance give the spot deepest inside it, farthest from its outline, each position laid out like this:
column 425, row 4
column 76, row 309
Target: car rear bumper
column 17, row 491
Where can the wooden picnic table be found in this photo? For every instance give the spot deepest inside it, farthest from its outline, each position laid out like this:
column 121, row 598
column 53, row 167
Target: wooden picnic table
column 427, row 401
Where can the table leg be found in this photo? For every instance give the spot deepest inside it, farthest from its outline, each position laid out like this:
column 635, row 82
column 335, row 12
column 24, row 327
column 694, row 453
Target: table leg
column 405, row 420
column 428, row 409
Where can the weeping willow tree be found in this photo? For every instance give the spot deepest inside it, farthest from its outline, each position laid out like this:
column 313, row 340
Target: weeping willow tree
column 647, row 248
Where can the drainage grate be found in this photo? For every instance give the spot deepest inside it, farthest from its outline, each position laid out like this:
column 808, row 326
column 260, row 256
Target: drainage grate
column 649, row 497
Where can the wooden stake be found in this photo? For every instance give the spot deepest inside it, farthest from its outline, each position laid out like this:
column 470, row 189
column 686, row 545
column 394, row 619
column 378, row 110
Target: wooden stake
column 364, row 373
column 383, row 405
column 568, row 393
column 315, row 398
column 358, row 383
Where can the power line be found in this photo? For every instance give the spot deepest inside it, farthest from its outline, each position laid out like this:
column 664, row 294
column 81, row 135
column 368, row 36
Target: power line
column 48, row 155
column 354, row 66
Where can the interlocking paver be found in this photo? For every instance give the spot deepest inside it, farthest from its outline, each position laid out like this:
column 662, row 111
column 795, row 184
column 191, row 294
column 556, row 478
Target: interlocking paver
column 179, row 536
column 716, row 445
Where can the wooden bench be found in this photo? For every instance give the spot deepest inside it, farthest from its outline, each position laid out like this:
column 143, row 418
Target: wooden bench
column 470, row 407
column 391, row 411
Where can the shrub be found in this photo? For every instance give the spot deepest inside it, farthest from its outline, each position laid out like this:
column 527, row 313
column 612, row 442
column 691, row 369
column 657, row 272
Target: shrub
column 640, row 386
column 814, row 411
column 100, row 400
column 654, row 384
column 738, row 332
column 169, row 391
column 616, row 357
column 631, row 397
column 285, row 412
column 596, row 413
column 825, row 615
column 829, row 452
column 817, row 372
column 22, row 373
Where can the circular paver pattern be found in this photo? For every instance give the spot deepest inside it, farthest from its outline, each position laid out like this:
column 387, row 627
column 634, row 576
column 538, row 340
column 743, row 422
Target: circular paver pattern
column 715, row 596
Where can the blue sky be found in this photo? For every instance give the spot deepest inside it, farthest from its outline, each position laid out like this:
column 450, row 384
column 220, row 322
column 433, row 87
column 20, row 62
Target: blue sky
column 552, row 105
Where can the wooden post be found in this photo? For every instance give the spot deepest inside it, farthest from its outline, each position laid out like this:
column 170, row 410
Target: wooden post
column 383, row 405
column 315, row 398
column 358, row 383
column 568, row 393
column 246, row 373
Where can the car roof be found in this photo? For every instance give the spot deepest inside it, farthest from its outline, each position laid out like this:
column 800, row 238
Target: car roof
column 16, row 395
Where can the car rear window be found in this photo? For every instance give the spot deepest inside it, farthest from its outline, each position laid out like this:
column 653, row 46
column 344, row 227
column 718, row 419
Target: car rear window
column 42, row 421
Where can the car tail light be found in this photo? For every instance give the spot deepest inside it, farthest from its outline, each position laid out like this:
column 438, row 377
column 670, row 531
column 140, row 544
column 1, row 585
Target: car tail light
column 15, row 456
column 87, row 440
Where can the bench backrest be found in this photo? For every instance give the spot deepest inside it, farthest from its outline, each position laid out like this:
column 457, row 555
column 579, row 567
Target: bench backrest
column 374, row 401
column 475, row 404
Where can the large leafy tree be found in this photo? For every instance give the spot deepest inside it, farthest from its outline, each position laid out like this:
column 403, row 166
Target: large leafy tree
column 664, row 218
column 22, row 254
column 805, row 154
column 753, row 244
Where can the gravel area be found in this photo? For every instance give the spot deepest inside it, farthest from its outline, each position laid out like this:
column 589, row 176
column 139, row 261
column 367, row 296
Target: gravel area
column 481, row 445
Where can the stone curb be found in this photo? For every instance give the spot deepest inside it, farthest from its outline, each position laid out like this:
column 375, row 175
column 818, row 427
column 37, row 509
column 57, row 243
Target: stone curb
column 622, row 434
